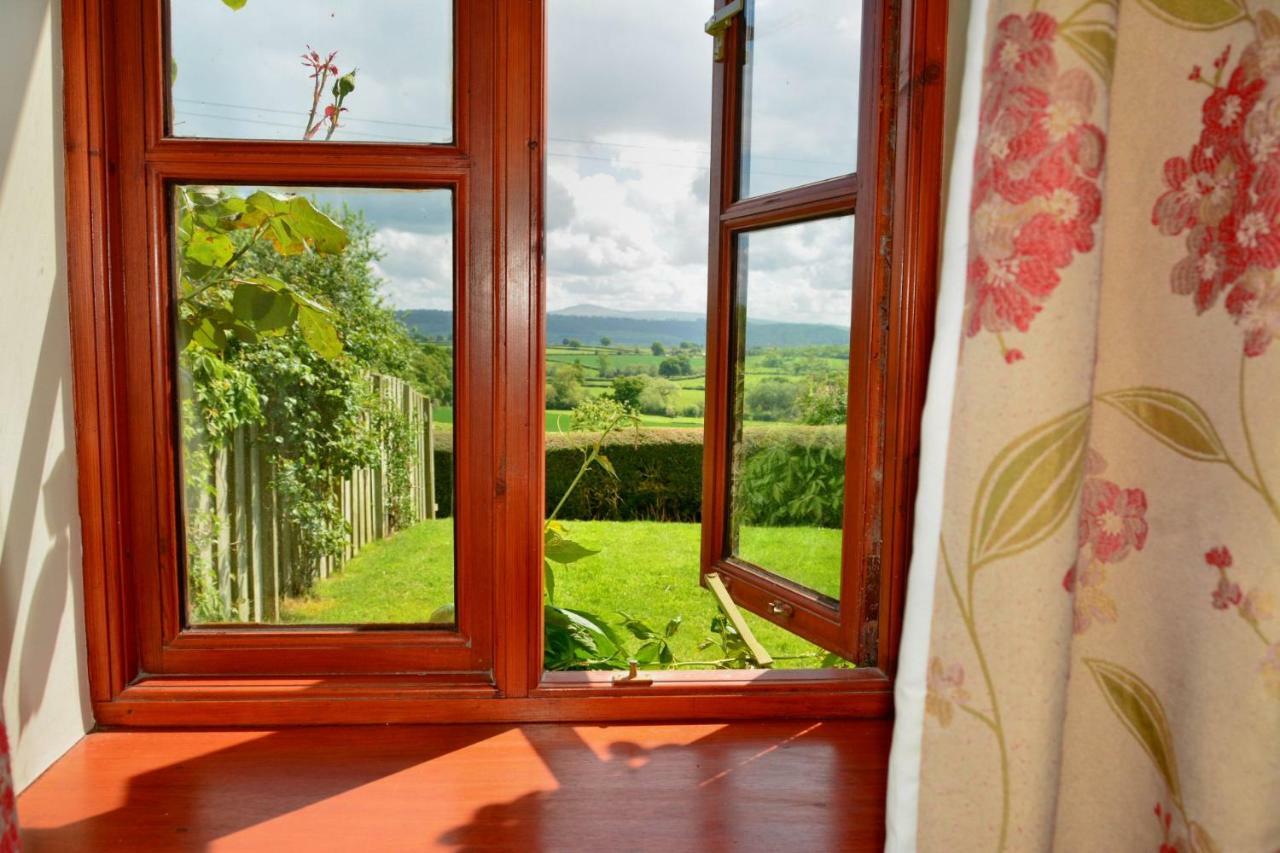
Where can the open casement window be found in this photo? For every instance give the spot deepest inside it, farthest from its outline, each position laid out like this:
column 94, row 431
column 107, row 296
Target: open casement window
column 830, row 164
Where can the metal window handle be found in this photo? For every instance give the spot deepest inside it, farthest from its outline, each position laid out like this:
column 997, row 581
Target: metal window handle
column 778, row 607
column 632, row 677
column 719, row 23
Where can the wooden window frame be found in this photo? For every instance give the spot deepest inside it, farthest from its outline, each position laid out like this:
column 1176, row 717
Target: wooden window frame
column 145, row 669
column 888, row 328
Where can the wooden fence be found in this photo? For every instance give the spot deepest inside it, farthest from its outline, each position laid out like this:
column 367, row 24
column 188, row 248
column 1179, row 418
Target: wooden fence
column 253, row 547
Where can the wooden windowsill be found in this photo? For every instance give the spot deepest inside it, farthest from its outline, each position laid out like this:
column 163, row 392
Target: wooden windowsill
column 794, row 785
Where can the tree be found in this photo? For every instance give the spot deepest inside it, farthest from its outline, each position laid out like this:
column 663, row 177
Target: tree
column 605, row 340
column 675, row 365
column 565, row 389
column 659, row 398
column 658, row 348
column 627, row 390
column 823, row 400
column 431, row 372
column 772, row 400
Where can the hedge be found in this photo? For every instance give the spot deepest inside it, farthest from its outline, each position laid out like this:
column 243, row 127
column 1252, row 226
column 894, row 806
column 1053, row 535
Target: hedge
column 791, row 475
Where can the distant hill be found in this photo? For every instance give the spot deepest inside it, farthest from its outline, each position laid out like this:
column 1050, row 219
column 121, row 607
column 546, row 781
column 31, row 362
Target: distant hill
column 626, row 329
column 586, row 309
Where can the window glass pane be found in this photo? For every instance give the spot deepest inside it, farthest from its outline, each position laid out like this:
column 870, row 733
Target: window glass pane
column 800, row 93
column 790, row 399
column 315, row 386
column 349, row 70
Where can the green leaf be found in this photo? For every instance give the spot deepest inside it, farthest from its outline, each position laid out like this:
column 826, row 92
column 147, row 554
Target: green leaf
column 1197, row 14
column 319, row 333
column 209, row 335
column 209, row 248
column 304, row 300
column 1174, row 419
column 245, row 332
column 1029, row 489
column 186, row 329
column 443, row 614
column 262, row 307
column 582, row 639
column 563, row 550
column 1095, row 42
column 260, row 206
column 283, row 238
column 235, row 4
column 319, row 231
column 549, row 580
column 597, row 624
column 607, row 465
column 672, row 627
column 649, row 653
column 638, row 628
column 1140, row 710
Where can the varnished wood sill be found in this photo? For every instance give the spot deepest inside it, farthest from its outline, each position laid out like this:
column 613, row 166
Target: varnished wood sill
column 784, row 785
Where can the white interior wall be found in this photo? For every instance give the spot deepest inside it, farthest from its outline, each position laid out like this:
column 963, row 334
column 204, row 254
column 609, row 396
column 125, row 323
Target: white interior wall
column 42, row 654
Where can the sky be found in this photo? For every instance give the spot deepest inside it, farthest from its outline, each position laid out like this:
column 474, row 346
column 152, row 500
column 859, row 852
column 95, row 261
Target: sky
column 629, row 98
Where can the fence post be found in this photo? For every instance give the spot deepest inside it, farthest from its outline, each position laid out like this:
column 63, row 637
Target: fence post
column 222, row 498
column 431, row 458
column 268, row 567
column 241, row 552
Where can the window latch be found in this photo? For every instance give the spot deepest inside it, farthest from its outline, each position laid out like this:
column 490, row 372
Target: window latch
column 718, row 25
column 632, row 677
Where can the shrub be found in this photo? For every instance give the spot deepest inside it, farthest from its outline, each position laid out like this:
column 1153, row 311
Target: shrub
column 790, row 476
column 627, row 390
column 675, row 365
column 565, row 388
column 444, row 470
column 658, row 397
column 772, row 400
column 659, row 476
column 824, row 399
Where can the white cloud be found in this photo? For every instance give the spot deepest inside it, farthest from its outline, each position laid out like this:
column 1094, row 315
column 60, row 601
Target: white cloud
column 417, row 268
column 629, row 96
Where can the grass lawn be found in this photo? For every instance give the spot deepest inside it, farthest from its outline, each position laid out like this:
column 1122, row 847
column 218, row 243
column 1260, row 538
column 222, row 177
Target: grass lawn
column 402, row 579
column 646, row 569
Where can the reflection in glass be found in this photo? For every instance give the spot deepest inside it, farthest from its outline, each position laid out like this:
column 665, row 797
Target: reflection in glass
column 315, row 407
column 346, row 70
column 788, row 455
column 800, row 93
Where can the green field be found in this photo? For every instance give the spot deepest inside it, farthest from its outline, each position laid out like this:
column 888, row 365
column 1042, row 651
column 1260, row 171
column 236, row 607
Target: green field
column 648, row 570
column 558, row 421
column 784, row 365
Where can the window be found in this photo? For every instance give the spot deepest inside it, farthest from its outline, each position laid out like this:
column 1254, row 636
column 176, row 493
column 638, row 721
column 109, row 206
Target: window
column 311, row 402
column 795, row 525
column 255, row 186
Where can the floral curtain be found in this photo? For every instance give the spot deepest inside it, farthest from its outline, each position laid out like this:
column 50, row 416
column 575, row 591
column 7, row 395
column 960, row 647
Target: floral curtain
column 1092, row 635
column 8, row 800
